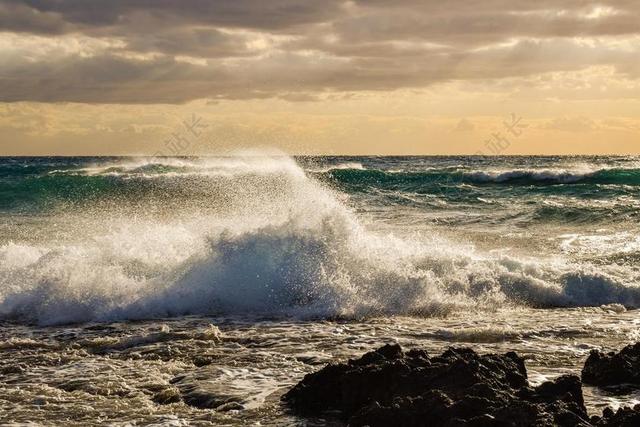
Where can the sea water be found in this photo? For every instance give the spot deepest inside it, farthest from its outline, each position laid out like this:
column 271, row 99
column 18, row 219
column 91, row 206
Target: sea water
column 224, row 280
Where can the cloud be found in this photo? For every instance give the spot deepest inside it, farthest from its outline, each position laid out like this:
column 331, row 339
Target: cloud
column 572, row 124
column 464, row 125
column 174, row 51
column 89, row 15
column 15, row 16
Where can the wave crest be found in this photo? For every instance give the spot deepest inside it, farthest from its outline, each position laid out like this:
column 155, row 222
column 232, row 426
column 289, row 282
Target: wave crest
column 277, row 243
column 413, row 178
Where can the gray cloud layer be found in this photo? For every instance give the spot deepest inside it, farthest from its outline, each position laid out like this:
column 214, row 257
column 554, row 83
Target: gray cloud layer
column 178, row 50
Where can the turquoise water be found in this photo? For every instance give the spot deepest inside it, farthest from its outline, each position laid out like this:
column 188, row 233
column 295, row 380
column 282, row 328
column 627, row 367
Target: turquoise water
column 604, row 185
column 119, row 238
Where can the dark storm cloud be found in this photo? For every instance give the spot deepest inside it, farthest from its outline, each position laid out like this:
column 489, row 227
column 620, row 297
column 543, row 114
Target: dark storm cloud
column 179, row 50
column 19, row 17
column 197, row 42
column 258, row 14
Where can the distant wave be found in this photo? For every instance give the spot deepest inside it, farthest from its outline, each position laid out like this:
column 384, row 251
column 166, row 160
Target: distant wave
column 339, row 166
column 135, row 180
column 616, row 176
column 264, row 237
column 560, row 176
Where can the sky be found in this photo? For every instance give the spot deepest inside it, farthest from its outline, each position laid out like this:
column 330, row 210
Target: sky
column 183, row 77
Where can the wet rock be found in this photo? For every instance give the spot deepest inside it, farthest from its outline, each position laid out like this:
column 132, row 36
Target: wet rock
column 167, row 396
column 624, row 417
column 202, row 360
column 613, row 369
column 13, row 369
column 458, row 388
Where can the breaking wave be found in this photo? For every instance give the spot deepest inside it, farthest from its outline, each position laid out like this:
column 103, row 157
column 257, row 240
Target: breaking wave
column 258, row 235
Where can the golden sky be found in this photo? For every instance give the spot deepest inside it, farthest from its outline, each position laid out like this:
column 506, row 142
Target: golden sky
column 90, row 77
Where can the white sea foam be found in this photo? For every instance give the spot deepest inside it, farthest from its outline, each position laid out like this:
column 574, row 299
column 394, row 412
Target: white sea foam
column 266, row 238
column 339, row 166
column 563, row 176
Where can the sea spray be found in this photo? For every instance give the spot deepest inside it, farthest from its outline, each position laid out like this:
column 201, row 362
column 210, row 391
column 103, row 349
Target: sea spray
column 255, row 235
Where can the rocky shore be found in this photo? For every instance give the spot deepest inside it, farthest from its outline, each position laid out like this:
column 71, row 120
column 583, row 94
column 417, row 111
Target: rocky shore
column 391, row 387
column 620, row 369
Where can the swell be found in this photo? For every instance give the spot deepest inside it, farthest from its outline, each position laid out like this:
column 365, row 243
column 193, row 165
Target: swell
column 41, row 192
column 43, row 185
column 518, row 177
column 74, row 184
column 262, row 237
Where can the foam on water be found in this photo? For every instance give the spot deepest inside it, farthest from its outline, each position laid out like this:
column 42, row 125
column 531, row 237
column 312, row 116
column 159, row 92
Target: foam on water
column 255, row 234
column 339, row 166
column 561, row 176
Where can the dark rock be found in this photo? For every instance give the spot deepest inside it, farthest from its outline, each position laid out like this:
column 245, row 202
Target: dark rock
column 613, row 369
column 167, row 396
column 458, row 388
column 624, row 417
column 13, row 369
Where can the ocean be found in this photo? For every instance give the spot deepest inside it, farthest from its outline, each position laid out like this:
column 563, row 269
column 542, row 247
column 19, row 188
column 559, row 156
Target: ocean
column 181, row 291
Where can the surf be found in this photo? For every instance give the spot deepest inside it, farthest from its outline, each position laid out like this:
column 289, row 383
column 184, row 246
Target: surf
column 257, row 234
column 413, row 178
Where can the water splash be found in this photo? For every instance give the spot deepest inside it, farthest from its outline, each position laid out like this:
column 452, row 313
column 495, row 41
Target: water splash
column 256, row 234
